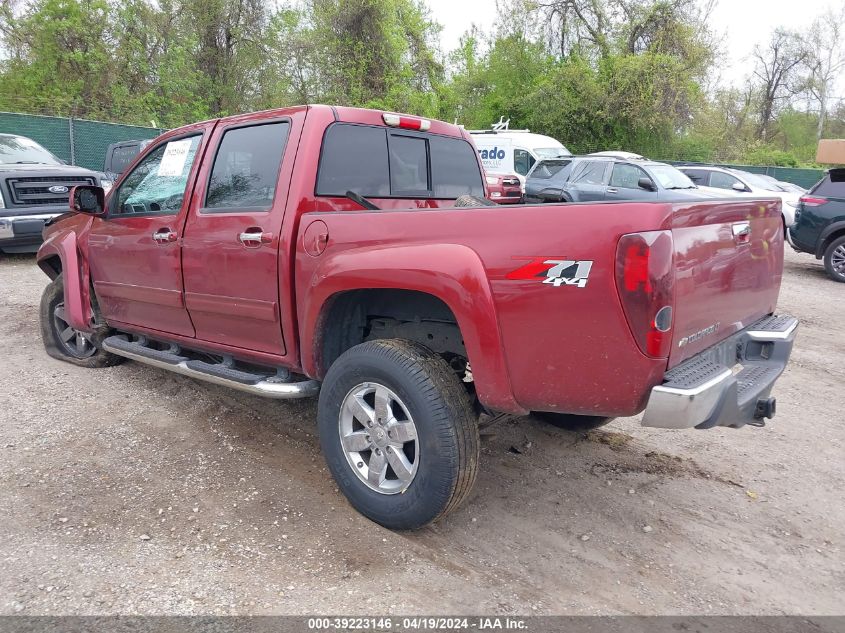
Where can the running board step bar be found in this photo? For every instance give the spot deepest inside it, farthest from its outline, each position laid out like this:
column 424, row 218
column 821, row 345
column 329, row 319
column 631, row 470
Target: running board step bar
column 264, row 385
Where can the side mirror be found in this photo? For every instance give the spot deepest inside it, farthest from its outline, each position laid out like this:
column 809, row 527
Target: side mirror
column 738, row 186
column 88, row 199
column 646, row 183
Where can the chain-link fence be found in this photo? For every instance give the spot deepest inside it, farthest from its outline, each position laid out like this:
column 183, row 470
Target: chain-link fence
column 75, row 141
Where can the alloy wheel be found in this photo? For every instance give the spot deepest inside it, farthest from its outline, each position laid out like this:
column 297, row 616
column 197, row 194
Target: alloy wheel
column 379, row 438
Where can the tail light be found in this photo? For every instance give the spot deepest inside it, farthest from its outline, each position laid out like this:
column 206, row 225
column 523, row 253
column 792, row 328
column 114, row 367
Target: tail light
column 812, row 201
column 645, row 281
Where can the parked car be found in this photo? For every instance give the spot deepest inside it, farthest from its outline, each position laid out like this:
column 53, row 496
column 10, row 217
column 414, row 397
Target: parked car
column 503, row 188
column 261, row 253
column 592, row 178
column 744, row 183
column 782, row 185
column 34, row 186
column 507, row 151
column 120, row 155
column 820, row 223
column 618, row 154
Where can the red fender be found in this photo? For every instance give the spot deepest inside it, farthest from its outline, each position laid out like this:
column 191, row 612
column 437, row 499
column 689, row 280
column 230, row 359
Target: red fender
column 451, row 272
column 76, row 284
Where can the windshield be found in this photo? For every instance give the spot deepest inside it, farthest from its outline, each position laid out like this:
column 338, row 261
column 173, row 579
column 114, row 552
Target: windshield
column 552, row 152
column 21, row 150
column 670, row 178
column 758, row 181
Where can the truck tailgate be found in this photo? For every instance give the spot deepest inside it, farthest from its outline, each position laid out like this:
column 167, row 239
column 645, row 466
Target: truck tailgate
column 728, row 267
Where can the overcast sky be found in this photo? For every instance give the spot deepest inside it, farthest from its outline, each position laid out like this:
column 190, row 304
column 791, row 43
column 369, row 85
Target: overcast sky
column 742, row 23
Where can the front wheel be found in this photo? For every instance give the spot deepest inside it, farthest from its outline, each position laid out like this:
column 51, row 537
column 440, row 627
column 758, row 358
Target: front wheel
column 834, row 260
column 61, row 340
column 398, row 433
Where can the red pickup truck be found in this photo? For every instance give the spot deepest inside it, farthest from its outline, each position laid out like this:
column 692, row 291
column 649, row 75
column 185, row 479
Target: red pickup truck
column 351, row 253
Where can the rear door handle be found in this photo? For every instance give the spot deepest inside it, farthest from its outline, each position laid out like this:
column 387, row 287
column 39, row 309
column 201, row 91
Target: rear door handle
column 254, row 237
column 164, row 235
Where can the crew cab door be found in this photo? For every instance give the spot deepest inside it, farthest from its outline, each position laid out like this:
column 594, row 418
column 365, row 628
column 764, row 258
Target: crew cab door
column 231, row 264
column 134, row 253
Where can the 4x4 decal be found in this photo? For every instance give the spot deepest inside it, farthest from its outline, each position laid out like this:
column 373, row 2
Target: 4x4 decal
column 557, row 272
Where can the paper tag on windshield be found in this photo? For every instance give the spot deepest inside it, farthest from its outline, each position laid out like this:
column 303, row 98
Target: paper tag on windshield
column 175, row 155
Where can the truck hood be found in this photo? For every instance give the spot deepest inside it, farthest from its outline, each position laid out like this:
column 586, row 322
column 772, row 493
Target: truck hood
column 40, row 169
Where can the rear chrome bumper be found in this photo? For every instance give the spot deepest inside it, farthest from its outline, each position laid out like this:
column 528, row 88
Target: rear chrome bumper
column 728, row 384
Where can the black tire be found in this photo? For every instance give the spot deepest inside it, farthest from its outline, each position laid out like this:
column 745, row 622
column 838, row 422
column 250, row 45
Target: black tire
column 446, row 431
column 89, row 354
column 834, row 263
column 572, row 422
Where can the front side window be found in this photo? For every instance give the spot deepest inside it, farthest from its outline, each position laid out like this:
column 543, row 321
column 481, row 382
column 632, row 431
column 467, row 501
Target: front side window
column 626, row 176
column 157, row 184
column 522, row 161
column 721, row 180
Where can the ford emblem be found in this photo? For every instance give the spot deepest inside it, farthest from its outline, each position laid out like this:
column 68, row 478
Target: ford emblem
column 58, row 189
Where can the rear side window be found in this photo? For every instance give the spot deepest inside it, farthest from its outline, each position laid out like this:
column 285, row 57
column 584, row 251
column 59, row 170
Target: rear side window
column 548, row 168
column 833, row 185
column 591, row 173
column 380, row 163
column 246, row 167
column 698, row 176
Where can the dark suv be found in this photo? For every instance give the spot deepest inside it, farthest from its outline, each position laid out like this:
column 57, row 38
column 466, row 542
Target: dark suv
column 594, row 178
column 820, row 223
column 34, row 189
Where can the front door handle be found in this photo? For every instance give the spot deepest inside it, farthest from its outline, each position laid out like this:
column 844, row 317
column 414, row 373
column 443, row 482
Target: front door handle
column 612, row 190
column 164, row 235
column 254, row 237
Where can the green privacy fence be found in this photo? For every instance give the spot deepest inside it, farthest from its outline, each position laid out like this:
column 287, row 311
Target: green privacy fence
column 805, row 178
column 75, row 141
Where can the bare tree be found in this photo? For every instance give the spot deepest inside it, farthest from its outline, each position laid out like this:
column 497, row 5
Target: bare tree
column 778, row 67
column 825, row 58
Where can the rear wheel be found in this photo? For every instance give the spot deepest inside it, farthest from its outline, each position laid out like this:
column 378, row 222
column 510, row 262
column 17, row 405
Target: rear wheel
column 398, row 433
column 834, row 259
column 64, row 342
column 571, row 422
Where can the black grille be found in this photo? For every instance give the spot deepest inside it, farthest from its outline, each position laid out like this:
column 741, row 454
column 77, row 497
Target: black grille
column 33, row 191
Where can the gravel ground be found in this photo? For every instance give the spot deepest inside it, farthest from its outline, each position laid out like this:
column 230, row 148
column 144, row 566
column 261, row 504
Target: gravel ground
column 128, row 490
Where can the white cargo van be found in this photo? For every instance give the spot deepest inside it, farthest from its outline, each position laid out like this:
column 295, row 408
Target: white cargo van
column 505, row 151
